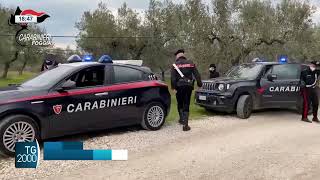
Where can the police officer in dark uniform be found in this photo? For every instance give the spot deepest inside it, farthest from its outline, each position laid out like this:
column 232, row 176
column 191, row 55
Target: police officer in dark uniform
column 213, row 71
column 49, row 62
column 182, row 82
column 309, row 78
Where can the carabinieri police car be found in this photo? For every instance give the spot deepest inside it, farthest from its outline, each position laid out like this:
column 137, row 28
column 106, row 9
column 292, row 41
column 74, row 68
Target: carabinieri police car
column 81, row 97
column 253, row 86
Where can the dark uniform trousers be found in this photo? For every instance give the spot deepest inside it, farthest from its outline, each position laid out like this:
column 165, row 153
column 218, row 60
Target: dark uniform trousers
column 310, row 96
column 183, row 98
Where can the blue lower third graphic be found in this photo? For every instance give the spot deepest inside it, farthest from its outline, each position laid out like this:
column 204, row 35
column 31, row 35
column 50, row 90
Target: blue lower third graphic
column 75, row 151
column 27, row 154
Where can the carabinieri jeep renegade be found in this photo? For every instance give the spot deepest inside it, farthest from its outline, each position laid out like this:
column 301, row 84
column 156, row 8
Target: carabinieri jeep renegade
column 253, row 86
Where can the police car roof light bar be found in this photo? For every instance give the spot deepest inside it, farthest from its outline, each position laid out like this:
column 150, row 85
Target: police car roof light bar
column 283, row 59
column 105, row 59
column 87, row 58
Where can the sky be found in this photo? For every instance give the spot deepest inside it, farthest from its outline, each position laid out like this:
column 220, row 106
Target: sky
column 65, row 13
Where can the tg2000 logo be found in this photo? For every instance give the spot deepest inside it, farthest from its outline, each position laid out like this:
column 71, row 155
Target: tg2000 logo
column 27, row 154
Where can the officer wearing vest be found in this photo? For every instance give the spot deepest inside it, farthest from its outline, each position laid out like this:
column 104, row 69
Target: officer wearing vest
column 309, row 78
column 182, row 82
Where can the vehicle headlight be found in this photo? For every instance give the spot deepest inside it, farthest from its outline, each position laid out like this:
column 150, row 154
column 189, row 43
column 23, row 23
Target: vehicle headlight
column 221, row 87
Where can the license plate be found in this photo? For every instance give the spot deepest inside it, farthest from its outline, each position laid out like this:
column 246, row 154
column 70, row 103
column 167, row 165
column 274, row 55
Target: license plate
column 203, row 98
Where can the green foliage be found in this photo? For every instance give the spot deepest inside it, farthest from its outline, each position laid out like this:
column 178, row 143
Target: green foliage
column 102, row 23
column 226, row 33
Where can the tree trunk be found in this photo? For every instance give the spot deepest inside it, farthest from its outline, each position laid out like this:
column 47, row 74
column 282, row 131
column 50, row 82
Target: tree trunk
column 162, row 74
column 137, row 52
column 5, row 70
column 23, row 67
column 7, row 65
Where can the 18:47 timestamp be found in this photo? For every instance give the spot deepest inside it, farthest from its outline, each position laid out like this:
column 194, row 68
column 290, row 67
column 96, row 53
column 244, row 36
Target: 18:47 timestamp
column 26, row 19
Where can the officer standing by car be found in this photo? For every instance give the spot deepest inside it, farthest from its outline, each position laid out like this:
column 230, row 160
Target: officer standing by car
column 182, row 82
column 213, row 71
column 49, row 62
column 309, row 78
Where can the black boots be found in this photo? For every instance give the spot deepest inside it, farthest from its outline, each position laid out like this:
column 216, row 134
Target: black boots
column 186, row 127
column 315, row 119
column 306, row 120
column 183, row 120
column 181, row 117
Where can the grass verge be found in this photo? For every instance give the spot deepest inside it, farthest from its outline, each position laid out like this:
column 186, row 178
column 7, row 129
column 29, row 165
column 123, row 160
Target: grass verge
column 196, row 111
column 15, row 78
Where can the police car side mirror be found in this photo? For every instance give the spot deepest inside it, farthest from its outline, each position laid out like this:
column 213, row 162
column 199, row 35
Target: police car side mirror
column 272, row 77
column 68, row 85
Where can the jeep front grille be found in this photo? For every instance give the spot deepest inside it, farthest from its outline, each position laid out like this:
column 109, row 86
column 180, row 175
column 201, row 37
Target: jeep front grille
column 208, row 86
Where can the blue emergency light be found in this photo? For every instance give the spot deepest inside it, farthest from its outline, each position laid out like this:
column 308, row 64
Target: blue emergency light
column 105, row 59
column 88, row 58
column 283, row 59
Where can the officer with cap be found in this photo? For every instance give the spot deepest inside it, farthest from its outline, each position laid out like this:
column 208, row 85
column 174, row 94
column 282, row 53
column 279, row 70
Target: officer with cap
column 74, row 58
column 213, row 71
column 309, row 78
column 49, row 62
column 182, row 82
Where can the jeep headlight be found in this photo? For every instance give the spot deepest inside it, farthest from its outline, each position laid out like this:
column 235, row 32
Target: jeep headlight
column 221, row 87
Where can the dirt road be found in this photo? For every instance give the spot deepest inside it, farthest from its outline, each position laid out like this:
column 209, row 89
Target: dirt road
column 270, row 145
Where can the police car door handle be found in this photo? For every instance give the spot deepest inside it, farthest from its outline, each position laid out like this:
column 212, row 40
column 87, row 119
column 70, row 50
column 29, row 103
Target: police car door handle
column 102, row 94
column 37, row 102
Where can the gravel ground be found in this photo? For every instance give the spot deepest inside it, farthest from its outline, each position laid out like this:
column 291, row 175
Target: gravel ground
column 133, row 138
column 270, row 145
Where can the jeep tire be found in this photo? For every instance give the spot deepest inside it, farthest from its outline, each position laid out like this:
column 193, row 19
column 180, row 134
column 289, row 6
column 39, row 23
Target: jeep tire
column 244, row 106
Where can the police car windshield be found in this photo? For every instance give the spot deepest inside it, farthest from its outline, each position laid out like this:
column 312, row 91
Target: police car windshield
column 245, row 71
column 48, row 78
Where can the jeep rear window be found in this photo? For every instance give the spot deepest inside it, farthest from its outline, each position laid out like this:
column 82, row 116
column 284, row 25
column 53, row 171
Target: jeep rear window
column 245, row 71
column 48, row 78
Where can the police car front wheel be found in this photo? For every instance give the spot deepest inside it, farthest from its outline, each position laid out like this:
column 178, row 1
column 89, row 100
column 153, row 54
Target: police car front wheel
column 244, row 106
column 153, row 116
column 16, row 128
